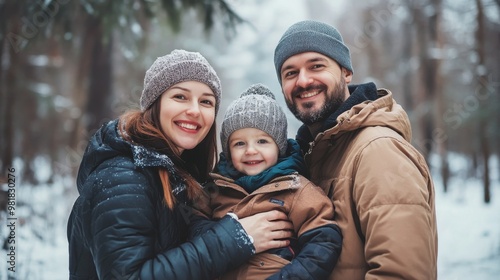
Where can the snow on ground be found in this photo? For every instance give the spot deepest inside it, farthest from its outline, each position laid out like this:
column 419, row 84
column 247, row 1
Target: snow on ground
column 469, row 233
column 469, row 230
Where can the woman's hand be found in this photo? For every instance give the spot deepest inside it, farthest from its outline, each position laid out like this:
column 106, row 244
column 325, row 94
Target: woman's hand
column 268, row 229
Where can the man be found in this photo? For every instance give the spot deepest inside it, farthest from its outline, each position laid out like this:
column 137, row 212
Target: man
column 355, row 140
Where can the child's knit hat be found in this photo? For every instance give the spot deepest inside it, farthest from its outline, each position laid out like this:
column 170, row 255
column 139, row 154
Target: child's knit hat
column 176, row 67
column 256, row 108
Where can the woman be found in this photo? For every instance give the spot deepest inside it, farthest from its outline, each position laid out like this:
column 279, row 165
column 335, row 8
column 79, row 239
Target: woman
column 139, row 179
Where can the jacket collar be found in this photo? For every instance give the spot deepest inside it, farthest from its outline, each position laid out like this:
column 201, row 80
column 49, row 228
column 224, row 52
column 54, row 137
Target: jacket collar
column 277, row 184
column 383, row 112
column 107, row 143
column 358, row 94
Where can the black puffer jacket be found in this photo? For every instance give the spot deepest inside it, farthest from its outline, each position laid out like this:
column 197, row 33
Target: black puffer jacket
column 120, row 228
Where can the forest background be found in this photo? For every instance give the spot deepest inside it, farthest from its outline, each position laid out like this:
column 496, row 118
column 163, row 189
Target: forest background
column 67, row 66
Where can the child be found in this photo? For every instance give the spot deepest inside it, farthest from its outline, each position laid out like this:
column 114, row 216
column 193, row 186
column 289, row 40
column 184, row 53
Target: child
column 260, row 170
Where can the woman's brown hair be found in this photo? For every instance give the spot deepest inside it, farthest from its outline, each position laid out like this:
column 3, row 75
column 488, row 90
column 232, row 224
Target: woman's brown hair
column 193, row 165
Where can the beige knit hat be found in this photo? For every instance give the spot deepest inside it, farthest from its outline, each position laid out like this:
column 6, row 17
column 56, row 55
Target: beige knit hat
column 176, row 67
column 256, row 108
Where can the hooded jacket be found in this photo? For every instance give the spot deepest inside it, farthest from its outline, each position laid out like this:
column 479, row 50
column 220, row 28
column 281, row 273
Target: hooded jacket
column 120, row 227
column 318, row 239
column 381, row 188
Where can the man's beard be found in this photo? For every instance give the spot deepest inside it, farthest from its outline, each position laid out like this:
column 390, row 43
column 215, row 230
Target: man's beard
column 333, row 100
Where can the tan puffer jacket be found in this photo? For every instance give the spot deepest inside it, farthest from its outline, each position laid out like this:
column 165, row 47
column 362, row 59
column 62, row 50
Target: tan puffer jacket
column 310, row 212
column 367, row 166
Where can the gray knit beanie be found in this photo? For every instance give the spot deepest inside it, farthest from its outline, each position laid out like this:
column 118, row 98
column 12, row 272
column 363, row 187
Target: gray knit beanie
column 176, row 67
column 311, row 36
column 256, row 108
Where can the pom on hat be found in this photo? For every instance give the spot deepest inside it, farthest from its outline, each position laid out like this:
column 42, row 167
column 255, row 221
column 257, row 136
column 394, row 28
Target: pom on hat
column 176, row 67
column 311, row 36
column 256, row 108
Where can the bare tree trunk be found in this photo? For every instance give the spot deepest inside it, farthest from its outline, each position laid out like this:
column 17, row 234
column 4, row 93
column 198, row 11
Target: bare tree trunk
column 496, row 117
column 430, row 96
column 371, row 49
column 423, row 96
column 95, row 68
column 483, row 86
column 5, row 119
column 81, row 76
column 54, row 122
column 29, row 143
column 475, row 158
column 435, row 87
column 3, row 92
column 407, row 56
column 98, row 108
column 485, row 153
column 8, row 103
column 8, row 83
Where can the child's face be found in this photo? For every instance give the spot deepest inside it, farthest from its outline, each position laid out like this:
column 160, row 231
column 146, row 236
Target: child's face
column 252, row 150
